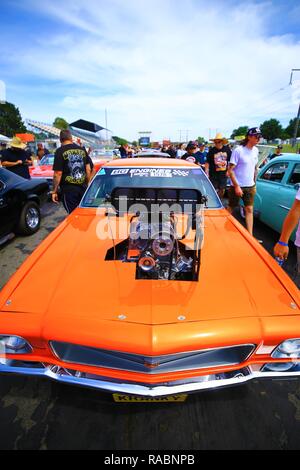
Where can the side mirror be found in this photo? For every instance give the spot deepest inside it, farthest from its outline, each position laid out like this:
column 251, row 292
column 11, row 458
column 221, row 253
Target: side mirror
column 297, row 186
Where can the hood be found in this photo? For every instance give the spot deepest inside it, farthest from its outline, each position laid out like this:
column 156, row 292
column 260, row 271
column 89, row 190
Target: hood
column 68, row 280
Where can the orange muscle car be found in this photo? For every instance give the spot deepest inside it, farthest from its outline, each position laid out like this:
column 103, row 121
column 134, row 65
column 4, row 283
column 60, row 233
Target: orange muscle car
column 152, row 289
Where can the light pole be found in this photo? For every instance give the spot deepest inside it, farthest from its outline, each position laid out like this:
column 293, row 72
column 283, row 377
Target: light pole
column 187, row 135
column 298, row 115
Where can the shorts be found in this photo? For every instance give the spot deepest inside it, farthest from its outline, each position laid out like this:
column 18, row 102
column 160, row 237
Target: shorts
column 219, row 180
column 248, row 196
column 72, row 198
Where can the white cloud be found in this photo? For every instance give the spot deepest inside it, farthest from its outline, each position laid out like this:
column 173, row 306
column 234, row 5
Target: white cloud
column 165, row 65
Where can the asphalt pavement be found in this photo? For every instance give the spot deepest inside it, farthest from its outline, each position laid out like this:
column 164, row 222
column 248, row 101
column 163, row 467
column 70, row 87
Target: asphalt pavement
column 36, row 413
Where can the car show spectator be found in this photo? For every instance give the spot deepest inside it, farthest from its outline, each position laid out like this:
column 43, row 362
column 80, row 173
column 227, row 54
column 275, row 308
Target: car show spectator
column 2, row 148
column 191, row 150
column 71, row 172
column 201, row 155
column 277, row 153
column 216, row 164
column 193, row 154
column 281, row 249
column 180, row 150
column 124, row 151
column 172, row 151
column 15, row 158
column 164, row 148
column 41, row 151
column 242, row 172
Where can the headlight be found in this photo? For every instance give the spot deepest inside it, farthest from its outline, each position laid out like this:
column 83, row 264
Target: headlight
column 278, row 367
column 288, row 349
column 14, row 345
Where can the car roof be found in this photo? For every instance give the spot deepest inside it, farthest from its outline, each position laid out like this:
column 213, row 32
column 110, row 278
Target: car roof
column 153, row 162
column 151, row 153
column 287, row 157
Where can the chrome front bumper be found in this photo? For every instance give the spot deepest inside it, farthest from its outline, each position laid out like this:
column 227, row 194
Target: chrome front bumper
column 130, row 388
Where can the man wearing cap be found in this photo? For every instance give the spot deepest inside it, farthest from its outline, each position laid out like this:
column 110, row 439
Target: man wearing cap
column 201, row 155
column 242, row 172
column 191, row 152
column 217, row 163
column 281, row 249
column 277, row 153
column 15, row 158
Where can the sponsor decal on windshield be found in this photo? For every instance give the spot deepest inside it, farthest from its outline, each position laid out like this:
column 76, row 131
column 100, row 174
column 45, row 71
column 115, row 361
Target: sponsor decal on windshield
column 150, row 172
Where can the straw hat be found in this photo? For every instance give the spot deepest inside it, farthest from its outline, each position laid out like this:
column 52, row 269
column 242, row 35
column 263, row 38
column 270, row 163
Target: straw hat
column 219, row 136
column 17, row 143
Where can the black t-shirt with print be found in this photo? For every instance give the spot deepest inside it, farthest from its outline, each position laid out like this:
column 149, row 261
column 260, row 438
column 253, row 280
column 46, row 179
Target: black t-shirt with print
column 71, row 159
column 218, row 159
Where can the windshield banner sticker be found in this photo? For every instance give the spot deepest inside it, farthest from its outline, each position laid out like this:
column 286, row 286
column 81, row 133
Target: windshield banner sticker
column 150, row 172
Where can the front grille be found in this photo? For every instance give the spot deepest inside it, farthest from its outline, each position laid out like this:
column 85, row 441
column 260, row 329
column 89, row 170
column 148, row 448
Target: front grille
column 85, row 355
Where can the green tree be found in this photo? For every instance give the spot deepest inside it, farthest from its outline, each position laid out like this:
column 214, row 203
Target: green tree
column 10, row 120
column 290, row 129
column 60, row 123
column 119, row 140
column 240, row 131
column 284, row 135
column 271, row 129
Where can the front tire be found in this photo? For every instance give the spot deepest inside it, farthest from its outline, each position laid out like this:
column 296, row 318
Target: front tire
column 30, row 219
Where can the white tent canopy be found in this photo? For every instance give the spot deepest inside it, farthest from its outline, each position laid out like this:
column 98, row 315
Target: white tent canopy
column 3, row 138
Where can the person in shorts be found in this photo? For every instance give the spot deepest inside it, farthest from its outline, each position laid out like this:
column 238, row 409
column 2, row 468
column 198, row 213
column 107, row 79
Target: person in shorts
column 216, row 164
column 242, row 172
column 72, row 172
column 281, row 249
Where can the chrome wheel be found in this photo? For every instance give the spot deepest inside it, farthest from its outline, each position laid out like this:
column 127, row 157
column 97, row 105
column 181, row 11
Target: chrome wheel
column 32, row 218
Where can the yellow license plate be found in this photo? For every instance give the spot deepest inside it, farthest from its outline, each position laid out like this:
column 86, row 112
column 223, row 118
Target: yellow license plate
column 118, row 397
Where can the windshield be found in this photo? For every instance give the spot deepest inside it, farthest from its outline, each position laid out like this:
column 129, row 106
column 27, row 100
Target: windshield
column 101, row 153
column 47, row 160
column 108, row 179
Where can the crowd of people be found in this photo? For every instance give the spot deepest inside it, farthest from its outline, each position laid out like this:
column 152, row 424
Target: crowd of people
column 18, row 156
column 73, row 169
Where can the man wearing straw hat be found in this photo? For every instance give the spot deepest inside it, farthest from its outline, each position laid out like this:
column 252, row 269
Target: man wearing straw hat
column 217, row 162
column 15, row 158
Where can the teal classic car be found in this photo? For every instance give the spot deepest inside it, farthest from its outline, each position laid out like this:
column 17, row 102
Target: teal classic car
column 277, row 184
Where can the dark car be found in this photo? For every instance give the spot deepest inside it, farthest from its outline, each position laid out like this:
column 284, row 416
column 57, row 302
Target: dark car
column 20, row 201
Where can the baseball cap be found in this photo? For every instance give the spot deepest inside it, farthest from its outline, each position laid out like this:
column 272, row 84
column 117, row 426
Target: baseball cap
column 254, row 131
column 191, row 145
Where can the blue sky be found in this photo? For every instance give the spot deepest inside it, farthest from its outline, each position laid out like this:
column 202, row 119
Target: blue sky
column 157, row 65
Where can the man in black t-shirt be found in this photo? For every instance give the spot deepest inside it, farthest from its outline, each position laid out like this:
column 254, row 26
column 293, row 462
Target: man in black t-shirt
column 277, row 153
column 217, row 163
column 15, row 159
column 71, row 172
column 191, row 150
